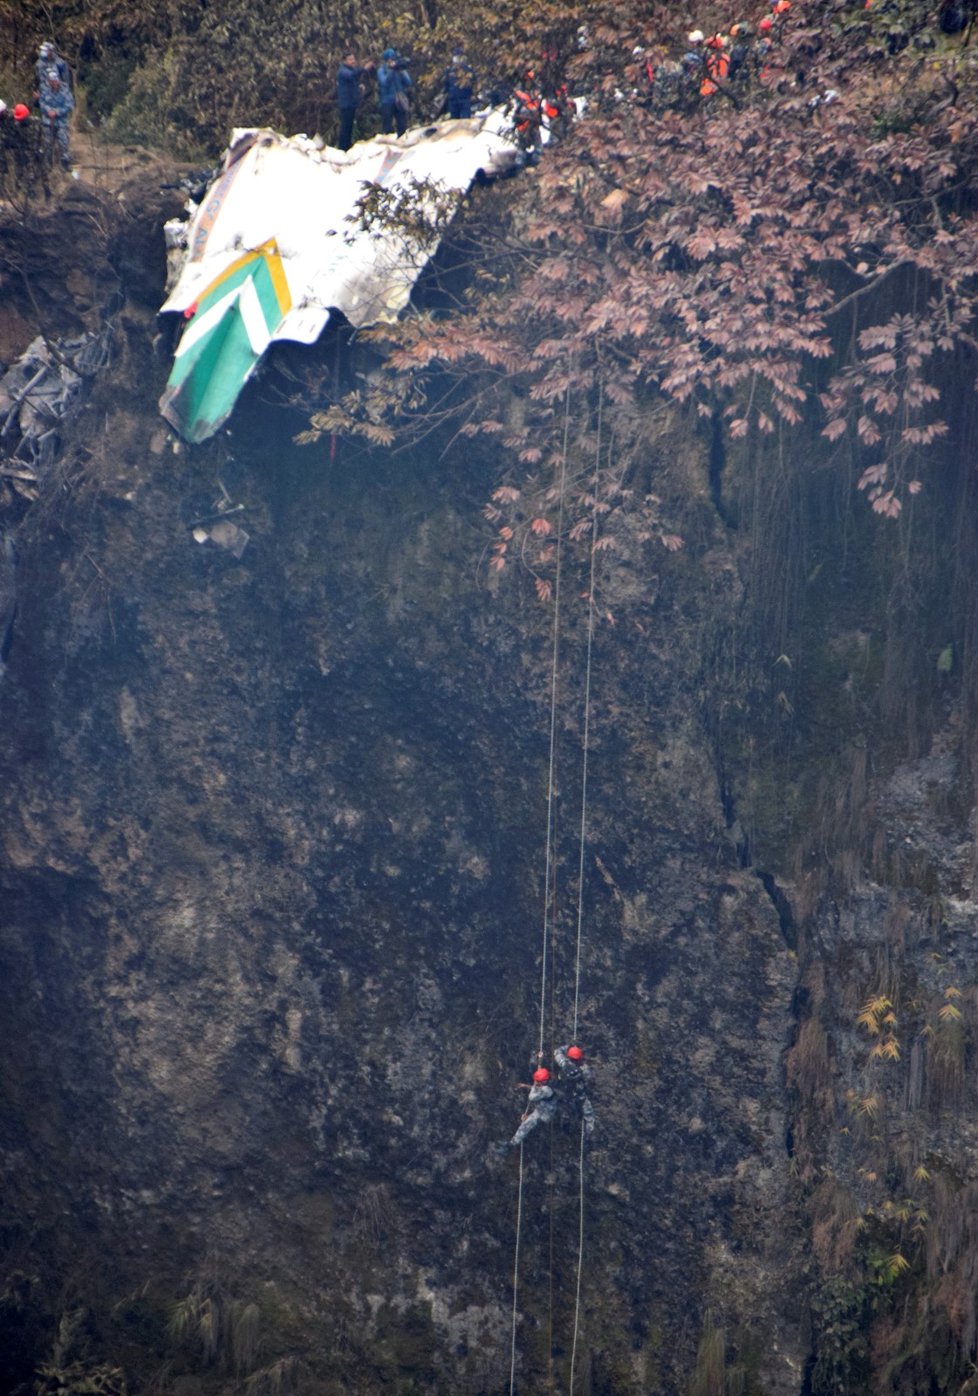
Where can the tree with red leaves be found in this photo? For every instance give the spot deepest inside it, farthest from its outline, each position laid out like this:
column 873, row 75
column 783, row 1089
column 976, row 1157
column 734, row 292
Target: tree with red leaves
column 793, row 251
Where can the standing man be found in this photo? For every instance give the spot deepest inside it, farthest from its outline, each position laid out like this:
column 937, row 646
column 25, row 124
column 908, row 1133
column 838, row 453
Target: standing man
column 393, row 86
column 459, row 85
column 57, row 104
column 348, row 96
column 49, row 57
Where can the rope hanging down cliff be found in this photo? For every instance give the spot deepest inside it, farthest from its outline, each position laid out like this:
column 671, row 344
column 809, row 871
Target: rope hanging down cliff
column 569, row 1058
column 548, row 862
column 580, row 872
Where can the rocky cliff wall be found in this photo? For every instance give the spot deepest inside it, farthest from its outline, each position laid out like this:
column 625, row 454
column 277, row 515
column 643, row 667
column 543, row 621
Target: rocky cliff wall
column 273, row 862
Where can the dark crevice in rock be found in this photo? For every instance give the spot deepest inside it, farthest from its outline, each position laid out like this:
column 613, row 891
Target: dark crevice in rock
column 717, row 461
column 781, row 904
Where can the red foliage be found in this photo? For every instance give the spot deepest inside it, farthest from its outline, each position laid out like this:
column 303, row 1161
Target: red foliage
column 722, row 254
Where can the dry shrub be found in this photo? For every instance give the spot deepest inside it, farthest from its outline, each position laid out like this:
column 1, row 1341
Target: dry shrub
column 835, row 1225
column 808, row 1066
column 952, row 1258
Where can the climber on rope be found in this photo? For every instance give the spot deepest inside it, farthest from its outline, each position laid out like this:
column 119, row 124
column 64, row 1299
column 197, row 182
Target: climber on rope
column 576, row 1075
column 541, row 1106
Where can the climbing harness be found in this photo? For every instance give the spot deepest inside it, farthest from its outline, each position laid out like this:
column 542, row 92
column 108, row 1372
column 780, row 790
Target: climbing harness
column 549, row 899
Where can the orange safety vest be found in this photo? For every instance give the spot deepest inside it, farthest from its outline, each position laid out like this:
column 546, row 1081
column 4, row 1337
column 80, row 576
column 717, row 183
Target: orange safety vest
column 530, row 104
column 717, row 66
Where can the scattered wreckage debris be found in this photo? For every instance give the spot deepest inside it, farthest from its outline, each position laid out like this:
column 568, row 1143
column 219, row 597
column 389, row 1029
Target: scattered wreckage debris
column 38, row 394
column 218, row 527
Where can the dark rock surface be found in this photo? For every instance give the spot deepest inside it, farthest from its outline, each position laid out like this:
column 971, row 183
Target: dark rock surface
column 273, row 858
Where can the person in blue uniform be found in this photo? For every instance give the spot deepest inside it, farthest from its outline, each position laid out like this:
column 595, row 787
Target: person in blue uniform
column 348, row 94
column 393, row 87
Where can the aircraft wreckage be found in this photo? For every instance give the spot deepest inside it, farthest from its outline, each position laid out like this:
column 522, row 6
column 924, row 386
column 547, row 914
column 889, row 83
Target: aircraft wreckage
column 279, row 243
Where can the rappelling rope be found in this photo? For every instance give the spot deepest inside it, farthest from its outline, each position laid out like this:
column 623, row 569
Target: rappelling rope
column 516, row 1279
column 548, row 900
column 587, row 715
column 580, row 869
column 580, row 1257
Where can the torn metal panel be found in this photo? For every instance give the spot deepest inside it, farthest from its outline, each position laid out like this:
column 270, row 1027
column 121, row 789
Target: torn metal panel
column 277, row 244
column 37, row 394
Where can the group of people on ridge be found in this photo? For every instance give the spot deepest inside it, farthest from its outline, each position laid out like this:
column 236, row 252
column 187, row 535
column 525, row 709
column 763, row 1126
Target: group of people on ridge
column 394, row 87
column 709, row 64
column 543, row 1101
column 715, row 62
column 22, row 147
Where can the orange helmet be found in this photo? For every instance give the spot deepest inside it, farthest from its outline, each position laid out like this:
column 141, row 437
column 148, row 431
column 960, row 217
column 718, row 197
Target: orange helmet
column 541, row 1075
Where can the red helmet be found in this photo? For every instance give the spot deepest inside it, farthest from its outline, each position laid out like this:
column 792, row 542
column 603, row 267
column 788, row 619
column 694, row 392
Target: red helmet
column 575, row 1054
column 765, row 25
column 21, row 112
column 541, row 1075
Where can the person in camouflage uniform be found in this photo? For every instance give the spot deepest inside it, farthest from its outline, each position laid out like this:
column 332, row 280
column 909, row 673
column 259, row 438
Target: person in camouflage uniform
column 57, row 103
column 576, row 1075
column 541, row 1106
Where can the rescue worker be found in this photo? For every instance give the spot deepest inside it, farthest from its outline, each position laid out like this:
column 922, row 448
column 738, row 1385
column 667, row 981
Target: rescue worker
column 20, row 158
column 527, row 117
column 645, row 70
column 348, row 95
column 459, row 86
column 741, row 35
column 541, row 1106
column 716, row 64
column 780, row 9
column 764, row 49
column 535, row 113
column 49, row 57
column 576, row 1074
column 692, row 60
column 57, row 104
column 393, row 86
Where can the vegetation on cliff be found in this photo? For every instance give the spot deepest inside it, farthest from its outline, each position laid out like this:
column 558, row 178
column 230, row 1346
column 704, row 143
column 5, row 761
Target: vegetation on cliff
column 740, row 331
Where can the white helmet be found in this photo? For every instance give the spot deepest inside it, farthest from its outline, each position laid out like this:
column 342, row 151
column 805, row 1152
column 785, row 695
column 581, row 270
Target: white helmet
column 695, row 36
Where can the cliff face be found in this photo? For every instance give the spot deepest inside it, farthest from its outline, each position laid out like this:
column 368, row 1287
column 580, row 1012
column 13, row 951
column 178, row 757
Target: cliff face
column 273, row 864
